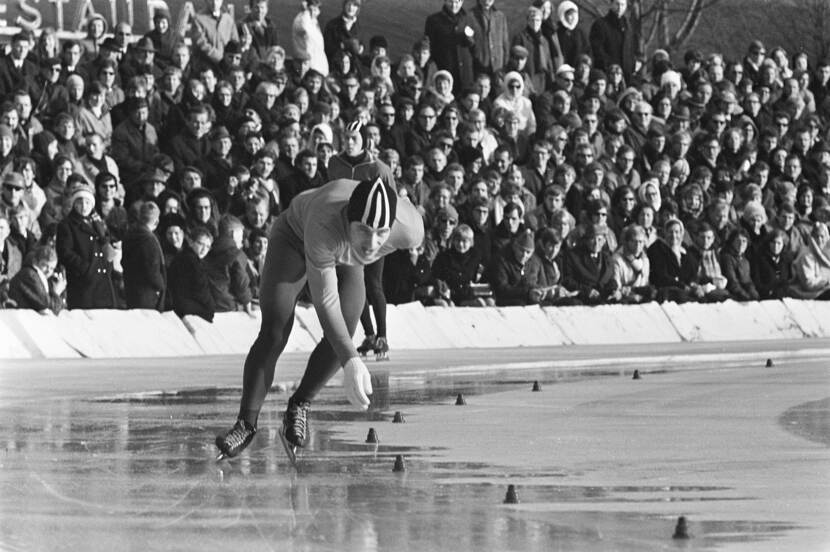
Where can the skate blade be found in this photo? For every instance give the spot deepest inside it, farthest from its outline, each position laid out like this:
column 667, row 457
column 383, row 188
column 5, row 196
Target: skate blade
column 290, row 449
column 221, row 456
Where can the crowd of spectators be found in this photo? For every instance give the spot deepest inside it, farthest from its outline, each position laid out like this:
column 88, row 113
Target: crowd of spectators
column 552, row 166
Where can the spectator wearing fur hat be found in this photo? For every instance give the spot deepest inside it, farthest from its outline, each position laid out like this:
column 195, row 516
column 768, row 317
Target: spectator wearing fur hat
column 84, row 249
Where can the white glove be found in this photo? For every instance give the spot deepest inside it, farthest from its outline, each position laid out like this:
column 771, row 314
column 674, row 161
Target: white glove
column 357, row 383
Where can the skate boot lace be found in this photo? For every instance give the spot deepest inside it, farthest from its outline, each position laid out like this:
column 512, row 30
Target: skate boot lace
column 298, row 418
column 237, row 436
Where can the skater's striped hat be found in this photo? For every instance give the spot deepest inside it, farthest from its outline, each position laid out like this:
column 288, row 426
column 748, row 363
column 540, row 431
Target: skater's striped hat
column 373, row 203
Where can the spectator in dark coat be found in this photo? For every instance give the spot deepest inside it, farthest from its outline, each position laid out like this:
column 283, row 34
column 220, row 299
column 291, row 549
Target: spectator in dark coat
column 38, row 286
column 304, row 177
column 11, row 258
column 508, row 276
column 674, row 270
column 545, row 270
column 343, row 29
column 587, row 267
column 735, row 266
column 227, row 268
column 145, row 274
column 572, row 40
column 187, row 278
column 541, row 61
column 17, row 72
column 191, row 147
column 135, row 143
column 772, row 266
column 459, row 266
column 613, row 41
column 261, row 28
column 491, row 37
column 451, row 40
column 84, row 250
column 406, row 276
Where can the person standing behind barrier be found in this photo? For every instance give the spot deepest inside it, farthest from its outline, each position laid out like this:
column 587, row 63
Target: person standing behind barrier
column 145, row 274
column 451, row 41
column 308, row 38
column 491, row 37
column 355, row 163
column 210, row 32
column 613, row 41
column 84, row 250
column 188, row 282
column 227, row 268
column 570, row 38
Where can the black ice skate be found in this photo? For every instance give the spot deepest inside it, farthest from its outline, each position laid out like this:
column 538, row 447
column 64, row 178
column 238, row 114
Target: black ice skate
column 367, row 345
column 295, row 422
column 381, row 349
column 234, row 441
column 294, row 431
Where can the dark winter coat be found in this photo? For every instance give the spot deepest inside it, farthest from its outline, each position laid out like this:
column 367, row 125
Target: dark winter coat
column 227, row 272
column 584, row 273
column 613, row 42
column 28, row 292
column 772, row 277
column 189, row 286
column 509, row 279
column 451, row 48
column 667, row 272
column 491, row 39
column 401, row 278
column 458, row 271
column 145, row 275
column 739, row 280
column 80, row 246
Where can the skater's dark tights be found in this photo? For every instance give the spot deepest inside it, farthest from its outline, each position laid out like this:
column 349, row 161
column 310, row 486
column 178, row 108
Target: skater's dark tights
column 260, row 366
column 373, row 276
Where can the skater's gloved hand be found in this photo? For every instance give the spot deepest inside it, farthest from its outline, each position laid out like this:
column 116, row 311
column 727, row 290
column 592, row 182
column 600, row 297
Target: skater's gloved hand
column 357, row 383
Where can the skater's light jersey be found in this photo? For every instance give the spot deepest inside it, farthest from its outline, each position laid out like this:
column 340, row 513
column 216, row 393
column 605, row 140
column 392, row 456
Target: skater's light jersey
column 317, row 218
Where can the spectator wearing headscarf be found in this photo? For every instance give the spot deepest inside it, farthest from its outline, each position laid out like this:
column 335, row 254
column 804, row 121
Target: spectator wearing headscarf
column 571, row 39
